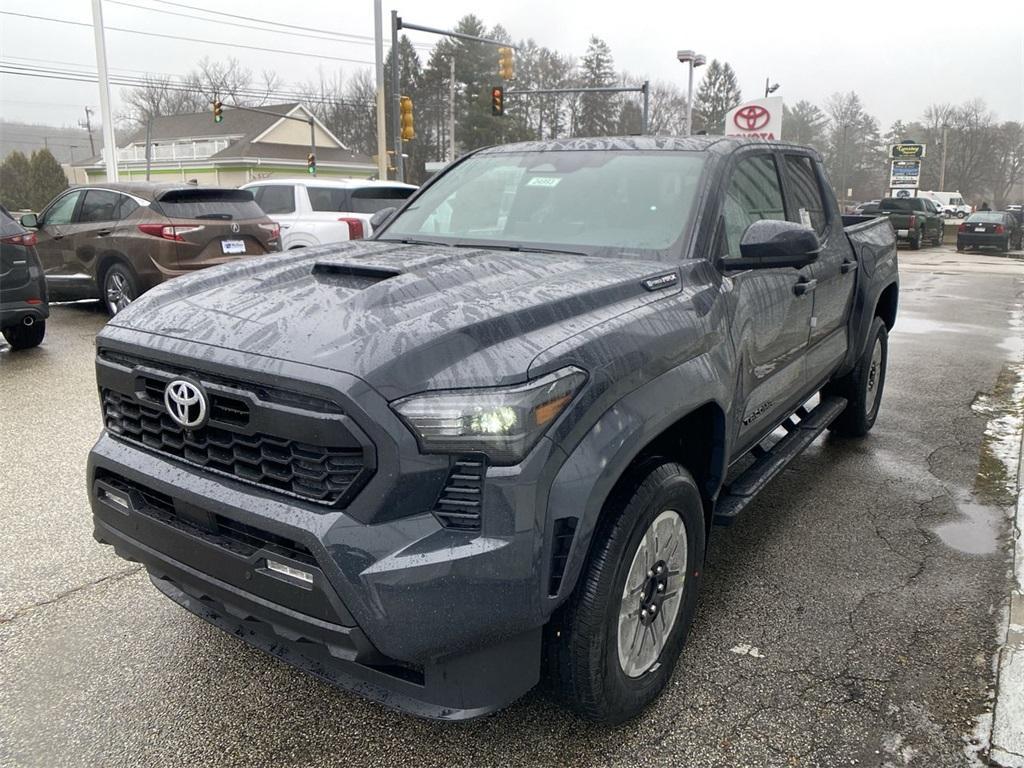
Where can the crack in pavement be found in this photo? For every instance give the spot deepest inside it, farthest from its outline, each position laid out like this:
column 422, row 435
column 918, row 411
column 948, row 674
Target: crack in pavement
column 116, row 576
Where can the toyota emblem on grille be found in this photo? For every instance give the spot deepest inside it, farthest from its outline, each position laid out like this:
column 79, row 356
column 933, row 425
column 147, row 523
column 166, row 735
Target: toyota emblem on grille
column 186, row 403
column 235, row 228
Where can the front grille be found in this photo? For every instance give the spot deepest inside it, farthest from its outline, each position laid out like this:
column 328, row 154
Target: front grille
column 318, row 473
column 459, row 503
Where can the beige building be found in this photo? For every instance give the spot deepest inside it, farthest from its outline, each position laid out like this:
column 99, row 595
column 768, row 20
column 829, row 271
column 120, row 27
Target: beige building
column 245, row 146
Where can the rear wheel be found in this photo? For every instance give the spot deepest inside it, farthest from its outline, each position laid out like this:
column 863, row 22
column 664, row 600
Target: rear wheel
column 120, row 288
column 613, row 646
column 937, row 240
column 25, row 336
column 1005, row 247
column 862, row 387
column 960, row 214
column 915, row 241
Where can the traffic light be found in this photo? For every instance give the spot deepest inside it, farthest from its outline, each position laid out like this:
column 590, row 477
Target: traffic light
column 408, row 130
column 311, row 164
column 506, row 64
column 218, row 111
column 497, row 101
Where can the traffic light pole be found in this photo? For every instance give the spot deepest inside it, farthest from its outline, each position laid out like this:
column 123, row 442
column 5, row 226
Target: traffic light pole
column 396, row 24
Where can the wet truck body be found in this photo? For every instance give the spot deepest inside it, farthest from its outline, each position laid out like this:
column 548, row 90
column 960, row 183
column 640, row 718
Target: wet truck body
column 403, row 464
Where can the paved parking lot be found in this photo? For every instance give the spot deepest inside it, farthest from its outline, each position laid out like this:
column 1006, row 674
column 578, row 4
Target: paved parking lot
column 850, row 618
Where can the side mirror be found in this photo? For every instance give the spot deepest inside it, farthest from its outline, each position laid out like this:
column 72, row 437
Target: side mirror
column 30, row 221
column 769, row 244
column 380, row 217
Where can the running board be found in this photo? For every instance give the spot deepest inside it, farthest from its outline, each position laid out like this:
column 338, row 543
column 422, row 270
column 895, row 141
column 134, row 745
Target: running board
column 801, row 433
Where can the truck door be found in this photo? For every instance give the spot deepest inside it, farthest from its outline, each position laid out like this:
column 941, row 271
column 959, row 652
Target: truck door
column 771, row 311
column 834, row 273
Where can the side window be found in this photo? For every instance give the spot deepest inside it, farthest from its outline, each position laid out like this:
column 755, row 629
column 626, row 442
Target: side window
column 62, row 210
column 99, row 205
column 754, row 193
column 127, row 207
column 803, row 183
column 277, row 198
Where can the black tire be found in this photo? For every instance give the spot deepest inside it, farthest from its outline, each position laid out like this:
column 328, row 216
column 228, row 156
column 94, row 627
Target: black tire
column 960, row 214
column 959, row 249
column 120, row 288
column 25, row 336
column 582, row 645
column 1005, row 247
column 915, row 241
column 937, row 240
column 862, row 387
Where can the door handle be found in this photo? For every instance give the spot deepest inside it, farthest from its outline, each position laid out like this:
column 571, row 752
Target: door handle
column 104, row 232
column 57, row 237
column 848, row 266
column 804, row 287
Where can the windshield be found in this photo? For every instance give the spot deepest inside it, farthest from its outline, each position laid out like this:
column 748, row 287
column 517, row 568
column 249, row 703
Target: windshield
column 582, row 200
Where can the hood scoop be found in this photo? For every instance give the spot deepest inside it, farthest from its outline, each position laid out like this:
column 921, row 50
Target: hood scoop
column 357, row 276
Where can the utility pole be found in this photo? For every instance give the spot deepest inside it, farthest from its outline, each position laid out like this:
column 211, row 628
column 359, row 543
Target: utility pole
column 109, row 141
column 88, row 126
column 396, row 97
column 378, row 55
column 451, row 112
column 942, row 171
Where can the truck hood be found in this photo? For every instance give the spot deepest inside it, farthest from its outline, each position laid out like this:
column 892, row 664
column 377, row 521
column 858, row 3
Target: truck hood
column 404, row 318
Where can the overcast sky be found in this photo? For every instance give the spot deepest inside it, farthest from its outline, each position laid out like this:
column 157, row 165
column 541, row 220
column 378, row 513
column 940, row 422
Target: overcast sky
column 899, row 57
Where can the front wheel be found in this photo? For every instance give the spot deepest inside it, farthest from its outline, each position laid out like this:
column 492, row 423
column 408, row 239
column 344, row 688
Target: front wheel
column 612, row 648
column 120, row 288
column 937, row 241
column 25, row 336
column 862, row 387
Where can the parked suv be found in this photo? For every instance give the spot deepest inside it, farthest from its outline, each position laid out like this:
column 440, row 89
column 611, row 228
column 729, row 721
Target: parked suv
column 23, row 305
column 316, row 212
column 116, row 241
column 499, row 432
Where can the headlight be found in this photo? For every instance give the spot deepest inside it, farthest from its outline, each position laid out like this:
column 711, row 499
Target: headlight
column 503, row 423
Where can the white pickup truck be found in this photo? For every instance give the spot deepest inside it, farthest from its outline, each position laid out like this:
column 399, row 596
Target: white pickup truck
column 320, row 211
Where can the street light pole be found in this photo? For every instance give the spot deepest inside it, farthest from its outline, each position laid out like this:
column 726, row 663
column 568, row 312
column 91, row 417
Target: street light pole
column 396, row 98
column 109, row 141
column 942, row 170
column 693, row 60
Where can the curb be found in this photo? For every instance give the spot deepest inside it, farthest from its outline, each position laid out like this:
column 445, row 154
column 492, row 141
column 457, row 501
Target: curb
column 1007, row 744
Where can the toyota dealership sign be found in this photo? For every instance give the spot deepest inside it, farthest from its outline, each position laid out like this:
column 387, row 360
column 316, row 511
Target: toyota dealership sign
column 761, row 117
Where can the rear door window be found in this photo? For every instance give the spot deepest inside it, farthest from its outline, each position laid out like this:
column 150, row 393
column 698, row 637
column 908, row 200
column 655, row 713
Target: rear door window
column 373, row 199
column 199, row 203
column 276, row 198
column 99, row 205
column 754, row 193
column 328, row 199
column 809, row 206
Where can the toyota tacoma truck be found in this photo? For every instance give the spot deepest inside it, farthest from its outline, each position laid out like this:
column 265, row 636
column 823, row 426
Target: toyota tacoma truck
column 488, row 446
column 915, row 220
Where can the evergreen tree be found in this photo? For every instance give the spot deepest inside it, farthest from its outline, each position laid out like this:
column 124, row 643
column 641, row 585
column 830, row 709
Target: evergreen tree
column 805, row 124
column 16, row 182
column 856, row 156
column 719, row 92
column 598, row 115
column 47, row 179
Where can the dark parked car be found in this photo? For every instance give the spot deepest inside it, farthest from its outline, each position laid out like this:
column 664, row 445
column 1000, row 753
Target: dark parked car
column 23, row 304
column 915, row 220
column 116, row 241
column 500, row 431
column 996, row 229
column 872, row 208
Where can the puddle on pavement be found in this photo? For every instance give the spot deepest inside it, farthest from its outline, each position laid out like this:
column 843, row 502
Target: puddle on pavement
column 976, row 532
column 908, row 323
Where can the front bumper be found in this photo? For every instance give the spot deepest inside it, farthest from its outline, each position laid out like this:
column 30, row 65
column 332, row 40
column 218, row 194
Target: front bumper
column 429, row 620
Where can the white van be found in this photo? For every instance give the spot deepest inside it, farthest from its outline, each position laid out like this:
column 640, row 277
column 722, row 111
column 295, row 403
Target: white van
column 949, row 203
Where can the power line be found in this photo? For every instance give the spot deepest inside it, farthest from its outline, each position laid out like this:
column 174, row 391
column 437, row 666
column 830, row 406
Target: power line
column 275, row 25
column 216, row 43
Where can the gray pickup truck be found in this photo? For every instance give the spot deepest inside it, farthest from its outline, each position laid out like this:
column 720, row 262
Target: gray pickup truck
column 488, row 446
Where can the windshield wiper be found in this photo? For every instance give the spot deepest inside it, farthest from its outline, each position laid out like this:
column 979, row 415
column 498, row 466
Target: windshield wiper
column 518, row 248
column 408, row 241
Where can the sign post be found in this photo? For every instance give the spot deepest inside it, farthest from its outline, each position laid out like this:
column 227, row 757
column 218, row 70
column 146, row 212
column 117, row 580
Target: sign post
column 905, row 168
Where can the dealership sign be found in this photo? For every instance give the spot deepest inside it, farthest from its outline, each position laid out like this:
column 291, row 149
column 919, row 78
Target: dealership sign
column 906, row 151
column 905, row 174
column 761, row 118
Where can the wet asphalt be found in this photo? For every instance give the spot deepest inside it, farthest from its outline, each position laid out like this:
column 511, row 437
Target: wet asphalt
column 849, row 618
